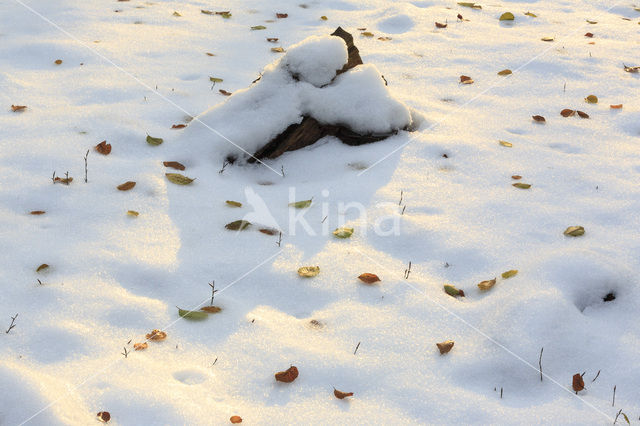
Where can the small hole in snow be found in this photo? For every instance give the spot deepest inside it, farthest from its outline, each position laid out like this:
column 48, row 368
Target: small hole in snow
column 609, row 297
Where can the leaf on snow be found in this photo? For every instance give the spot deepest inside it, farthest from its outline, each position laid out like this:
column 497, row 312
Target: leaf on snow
column 309, row 271
column 538, row 118
column 567, row 112
column 104, row 416
column 619, row 106
column 178, row 126
column 126, row 186
column 505, row 143
column 238, row 225
column 235, row 419
column 343, row 232
column 626, row 68
column 140, row 346
column 58, row 61
column 505, row 72
column 156, row 335
column 439, row 25
column 578, row 382
column 367, row 34
column 215, row 80
column 301, row 204
column 258, row 27
column 582, row 114
column 178, row 179
column 37, row 212
column 574, row 231
column 465, row 79
column 211, row 309
column 173, row 165
column 453, row 291
column 277, row 49
column 445, row 347
column 547, row 39
column 341, row 395
column 103, row 148
column 233, row 203
column 194, row 315
column 369, row 278
column 224, row 92
column 133, row 213
column 42, row 267
column 486, row 285
column 510, row 273
column 154, row 141
column 19, row 108
column 272, row 39
column 282, row 15
column 507, row 16
column 589, row 35
column 287, row 376
column 520, row 185
column 533, row 15
column 591, row 99
column 470, row 4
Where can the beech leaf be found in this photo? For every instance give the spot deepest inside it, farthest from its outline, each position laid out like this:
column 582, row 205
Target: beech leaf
column 103, row 148
column 178, row 179
column 235, row 419
column 538, row 118
column 309, row 271
column 19, row 108
column 578, row 382
column 156, row 335
column 567, row 112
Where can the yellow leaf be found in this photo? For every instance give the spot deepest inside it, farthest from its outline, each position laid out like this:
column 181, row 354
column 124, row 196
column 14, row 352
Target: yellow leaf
column 42, row 267
column 277, row 49
column 510, row 273
column 507, row 16
column 367, row 34
column 233, row 203
column 309, row 271
column 324, row 18
column 505, row 143
column 505, row 72
column 574, row 231
column 132, row 213
column 591, row 99
column 178, row 179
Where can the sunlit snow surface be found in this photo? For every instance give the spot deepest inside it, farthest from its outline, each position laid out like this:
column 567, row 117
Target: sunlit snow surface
column 113, row 277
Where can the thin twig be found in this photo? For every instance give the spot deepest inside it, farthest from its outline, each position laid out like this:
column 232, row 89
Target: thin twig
column 213, row 290
column 85, row 166
column 540, row 362
column 357, row 346
column 13, row 323
column 594, row 379
column 613, row 403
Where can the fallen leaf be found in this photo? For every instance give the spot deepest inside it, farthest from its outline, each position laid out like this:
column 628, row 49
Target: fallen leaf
column 224, row 92
column 287, row 376
column 592, row 22
column 178, row 126
column 574, row 231
column 211, row 309
column 362, row 29
column 209, row 54
column 486, row 285
column 547, row 39
column 104, row 416
column 277, row 49
column 215, row 79
column 126, row 186
column 626, row 68
column 567, row 112
column 269, row 231
column 235, row 419
column 533, row 15
column 133, row 213
column 140, row 346
column 516, row 177
column 507, row 16
column 384, row 38
column 521, row 185
column 439, row 25
column 539, row 118
column 578, row 382
column 18, row 108
column 233, row 203
column 582, row 114
column 589, row 35
column 156, row 335
column 259, row 27
column 173, row 165
column 206, row 12
column 176, row 14
column 42, row 267
column 65, row 181
column 510, row 273
column 103, row 148
column 470, row 4
column 340, row 394
column 591, row 99
column 445, row 346
column 369, row 278
column 453, row 291
column 343, row 232
column 619, row 106
column 505, row 72
column 367, row 34
column 505, row 143
column 465, row 79
column 154, row 141
column 272, row 39
column 238, row 225
column 37, row 212
column 301, row 204
column 193, row 315
column 309, row 271
column 178, row 179
column 460, row 17
column 282, row 15
column 324, row 18
column 58, row 61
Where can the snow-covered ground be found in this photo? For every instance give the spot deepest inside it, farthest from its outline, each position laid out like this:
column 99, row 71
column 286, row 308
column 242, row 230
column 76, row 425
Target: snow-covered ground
column 441, row 198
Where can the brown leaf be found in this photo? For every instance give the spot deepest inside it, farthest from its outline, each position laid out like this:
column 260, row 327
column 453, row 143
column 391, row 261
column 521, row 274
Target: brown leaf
column 460, row 17
column 583, row 114
column 269, row 231
column 578, row 382
column 103, row 148
column 589, row 35
column 235, row 419
column 66, row 181
column 340, row 394
column 140, row 346
column 173, row 165
column 178, row 126
column 619, row 106
column 18, row 108
column 211, row 309
column 521, row 185
column 516, row 177
column 41, row 267
column 37, row 212
column 626, row 68
column 209, row 54
column 224, row 92
column 287, row 376
column 445, row 346
column 465, row 79
column 156, row 335
column 57, row 61
column 567, row 112
column 369, row 278
column 486, row 285
column 272, row 39
column 439, row 25
column 539, row 118
column 104, row 416
column 282, row 15
column 126, row 186
column 277, row 49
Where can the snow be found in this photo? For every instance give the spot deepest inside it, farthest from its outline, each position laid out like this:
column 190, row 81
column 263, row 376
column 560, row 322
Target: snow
column 316, row 59
column 113, row 278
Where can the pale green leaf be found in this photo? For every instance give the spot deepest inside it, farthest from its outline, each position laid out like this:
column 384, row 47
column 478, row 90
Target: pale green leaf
column 301, row 204
column 452, row 290
column 178, row 179
column 216, row 79
column 154, row 141
column 193, row 315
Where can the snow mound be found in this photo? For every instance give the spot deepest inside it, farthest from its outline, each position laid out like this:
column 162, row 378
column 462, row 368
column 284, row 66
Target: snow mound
column 301, row 83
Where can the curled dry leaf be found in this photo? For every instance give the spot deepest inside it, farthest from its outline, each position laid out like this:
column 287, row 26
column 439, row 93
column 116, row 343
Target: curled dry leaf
column 582, row 114
column 308, row 271
column 103, row 148
column 282, row 15
column 510, row 273
column 486, row 285
column 592, row 22
column 578, row 382
column 178, row 179
column 178, row 126
column 591, row 99
column 133, row 213
column 58, row 61
column 287, row 376
column 173, row 165
column 340, row 394
column 209, row 54
column 66, row 181
column 235, row 419
column 567, row 112
column 277, row 49
column 547, row 39
column 574, row 231
column 211, row 309
column 460, row 17
column 272, row 39
column 233, row 203
column 18, row 108
column 589, row 35
column 439, row 25
column 632, row 70
column 269, row 231
column 224, row 92
column 505, row 143
column 505, row 72
column 507, row 16
column 126, row 186
column 538, row 118
column 238, row 225
column 453, row 291
column 37, row 212
column 618, row 106
column 521, row 185
column 104, row 416
column 445, row 347
column 465, row 79
column 156, row 335
column 516, row 177
column 369, row 278
column 140, row 346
